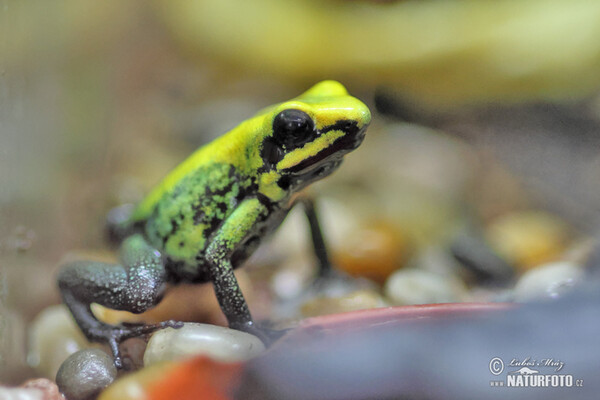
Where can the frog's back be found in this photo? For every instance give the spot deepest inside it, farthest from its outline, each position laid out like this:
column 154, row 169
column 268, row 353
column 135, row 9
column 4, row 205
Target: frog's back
column 190, row 203
column 184, row 218
column 223, row 150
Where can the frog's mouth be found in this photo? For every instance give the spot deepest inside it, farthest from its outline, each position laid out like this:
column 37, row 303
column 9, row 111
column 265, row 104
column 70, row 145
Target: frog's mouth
column 331, row 156
column 315, row 172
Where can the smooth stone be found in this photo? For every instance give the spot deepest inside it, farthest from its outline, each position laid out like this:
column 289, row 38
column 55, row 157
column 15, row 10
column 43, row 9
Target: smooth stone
column 547, row 282
column 20, row 394
column 529, row 238
column 291, row 280
column 373, row 251
column 358, row 300
column 435, row 259
column 48, row 388
column 85, row 373
column 193, row 339
column 194, row 378
column 53, row 336
column 332, row 293
column 413, row 286
column 135, row 386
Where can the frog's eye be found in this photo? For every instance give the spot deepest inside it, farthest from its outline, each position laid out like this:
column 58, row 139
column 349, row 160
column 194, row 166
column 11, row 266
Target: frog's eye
column 292, row 127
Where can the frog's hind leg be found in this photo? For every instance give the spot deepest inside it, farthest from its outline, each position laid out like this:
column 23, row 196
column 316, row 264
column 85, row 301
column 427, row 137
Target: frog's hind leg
column 136, row 285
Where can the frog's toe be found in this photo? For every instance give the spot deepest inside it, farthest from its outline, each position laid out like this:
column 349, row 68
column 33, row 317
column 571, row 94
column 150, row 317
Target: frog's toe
column 149, row 328
column 112, row 336
column 266, row 335
column 129, row 330
column 270, row 336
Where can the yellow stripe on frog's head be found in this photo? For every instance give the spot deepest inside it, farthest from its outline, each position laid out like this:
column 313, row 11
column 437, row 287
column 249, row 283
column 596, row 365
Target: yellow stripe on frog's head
column 306, row 137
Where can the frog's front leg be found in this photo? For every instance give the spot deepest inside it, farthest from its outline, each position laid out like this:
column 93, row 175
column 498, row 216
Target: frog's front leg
column 318, row 241
column 328, row 280
column 236, row 230
column 135, row 285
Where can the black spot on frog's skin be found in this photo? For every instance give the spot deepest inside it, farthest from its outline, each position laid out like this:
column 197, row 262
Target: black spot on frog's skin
column 174, row 228
column 198, row 214
column 179, row 271
column 347, row 125
column 284, row 182
column 222, row 207
column 265, row 201
column 231, row 172
column 181, row 244
column 214, row 224
column 253, row 188
column 222, row 191
column 246, row 192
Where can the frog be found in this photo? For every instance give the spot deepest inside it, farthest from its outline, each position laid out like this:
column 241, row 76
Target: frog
column 211, row 212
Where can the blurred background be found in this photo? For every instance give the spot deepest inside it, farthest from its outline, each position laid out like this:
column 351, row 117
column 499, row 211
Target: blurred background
column 481, row 165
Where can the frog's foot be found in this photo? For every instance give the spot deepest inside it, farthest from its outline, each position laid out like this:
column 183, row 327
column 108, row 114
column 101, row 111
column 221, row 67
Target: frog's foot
column 266, row 335
column 114, row 335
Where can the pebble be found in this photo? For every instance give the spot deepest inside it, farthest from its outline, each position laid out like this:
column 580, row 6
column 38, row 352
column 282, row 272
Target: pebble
column 53, row 336
column 134, row 386
column 85, row 373
column 529, row 238
column 334, row 292
column 193, row 339
column 358, row 300
column 195, row 378
column 413, row 286
column 21, row 394
column 373, row 252
column 549, row 281
column 48, row 388
column 292, row 279
column 292, row 240
column 435, row 259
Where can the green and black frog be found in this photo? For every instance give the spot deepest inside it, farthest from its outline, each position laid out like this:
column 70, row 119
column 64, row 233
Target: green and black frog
column 212, row 211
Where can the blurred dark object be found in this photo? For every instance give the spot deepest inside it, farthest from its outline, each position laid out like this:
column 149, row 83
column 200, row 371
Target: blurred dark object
column 480, row 263
column 554, row 149
column 446, row 353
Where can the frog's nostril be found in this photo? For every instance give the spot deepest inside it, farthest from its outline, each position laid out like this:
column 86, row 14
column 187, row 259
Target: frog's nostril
column 351, row 127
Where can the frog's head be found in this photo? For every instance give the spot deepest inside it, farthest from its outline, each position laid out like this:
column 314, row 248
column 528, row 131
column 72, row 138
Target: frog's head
column 309, row 135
